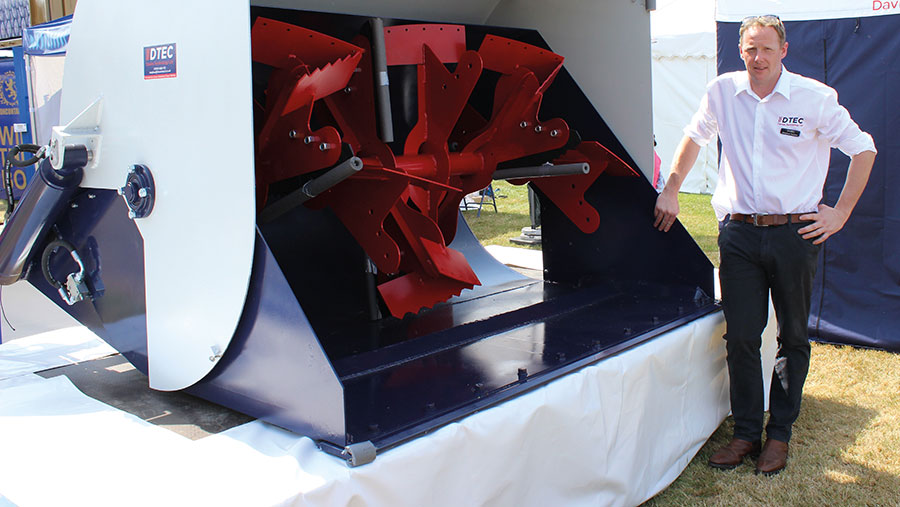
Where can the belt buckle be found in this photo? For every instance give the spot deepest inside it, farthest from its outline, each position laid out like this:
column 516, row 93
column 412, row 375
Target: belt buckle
column 756, row 220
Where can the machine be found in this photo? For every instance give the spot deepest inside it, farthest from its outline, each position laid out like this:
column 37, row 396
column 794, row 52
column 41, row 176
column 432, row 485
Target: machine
column 266, row 214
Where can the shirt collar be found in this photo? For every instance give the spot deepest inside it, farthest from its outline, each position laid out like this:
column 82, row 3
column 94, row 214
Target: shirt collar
column 783, row 86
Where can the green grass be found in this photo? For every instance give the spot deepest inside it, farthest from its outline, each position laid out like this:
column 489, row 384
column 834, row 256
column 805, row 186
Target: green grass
column 845, row 449
column 698, row 218
column 496, row 228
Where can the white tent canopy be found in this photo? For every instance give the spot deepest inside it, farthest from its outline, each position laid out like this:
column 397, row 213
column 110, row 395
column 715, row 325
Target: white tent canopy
column 683, row 47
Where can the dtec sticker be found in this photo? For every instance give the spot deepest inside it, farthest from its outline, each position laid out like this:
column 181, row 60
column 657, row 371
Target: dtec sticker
column 159, row 61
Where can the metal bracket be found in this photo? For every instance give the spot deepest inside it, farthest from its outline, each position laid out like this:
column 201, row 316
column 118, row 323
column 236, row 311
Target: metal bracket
column 84, row 129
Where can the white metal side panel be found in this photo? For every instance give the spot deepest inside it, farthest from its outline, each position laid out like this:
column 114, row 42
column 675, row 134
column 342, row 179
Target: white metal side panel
column 195, row 133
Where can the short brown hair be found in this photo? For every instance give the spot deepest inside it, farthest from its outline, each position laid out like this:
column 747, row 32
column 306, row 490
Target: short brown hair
column 764, row 20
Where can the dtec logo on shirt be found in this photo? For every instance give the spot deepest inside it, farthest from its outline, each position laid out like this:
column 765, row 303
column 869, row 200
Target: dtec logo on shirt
column 790, row 121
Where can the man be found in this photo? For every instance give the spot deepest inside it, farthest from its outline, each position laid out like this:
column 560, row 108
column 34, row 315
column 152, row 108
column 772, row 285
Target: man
column 776, row 129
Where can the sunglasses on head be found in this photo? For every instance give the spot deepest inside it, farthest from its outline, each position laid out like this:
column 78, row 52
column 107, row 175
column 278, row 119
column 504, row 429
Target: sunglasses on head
column 765, row 18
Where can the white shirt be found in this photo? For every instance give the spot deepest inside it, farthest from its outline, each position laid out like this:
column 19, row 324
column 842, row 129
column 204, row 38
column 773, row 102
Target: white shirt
column 776, row 149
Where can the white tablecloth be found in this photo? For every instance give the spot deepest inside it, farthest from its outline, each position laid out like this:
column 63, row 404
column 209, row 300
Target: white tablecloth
column 614, row 433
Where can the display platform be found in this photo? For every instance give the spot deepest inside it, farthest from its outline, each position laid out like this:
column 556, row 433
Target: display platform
column 613, row 433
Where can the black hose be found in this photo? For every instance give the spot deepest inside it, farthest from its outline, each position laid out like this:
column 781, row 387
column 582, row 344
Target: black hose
column 45, row 259
column 8, row 173
column 8, row 187
column 29, row 148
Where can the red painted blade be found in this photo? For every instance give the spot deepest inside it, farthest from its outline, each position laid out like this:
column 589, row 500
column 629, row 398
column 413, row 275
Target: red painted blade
column 274, row 42
column 403, row 43
column 410, row 293
column 567, row 192
column 507, row 55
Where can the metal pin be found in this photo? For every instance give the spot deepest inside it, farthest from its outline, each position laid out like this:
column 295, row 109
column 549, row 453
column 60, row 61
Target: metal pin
column 74, row 205
column 327, row 146
column 538, row 129
column 348, row 89
column 523, row 124
column 292, row 134
column 554, row 133
column 142, row 192
column 310, row 139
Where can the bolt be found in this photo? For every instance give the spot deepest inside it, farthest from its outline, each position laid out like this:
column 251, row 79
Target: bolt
column 310, row 139
column 74, row 205
column 120, row 191
column 292, row 134
column 538, row 129
column 348, row 89
column 142, row 192
column 523, row 124
column 554, row 133
column 326, row 146
column 132, row 215
column 92, row 196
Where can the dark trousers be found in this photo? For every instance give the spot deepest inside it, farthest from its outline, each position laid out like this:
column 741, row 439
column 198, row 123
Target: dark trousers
column 755, row 261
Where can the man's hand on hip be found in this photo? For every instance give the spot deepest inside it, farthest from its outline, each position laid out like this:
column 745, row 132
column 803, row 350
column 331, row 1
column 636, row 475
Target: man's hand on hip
column 666, row 210
column 826, row 222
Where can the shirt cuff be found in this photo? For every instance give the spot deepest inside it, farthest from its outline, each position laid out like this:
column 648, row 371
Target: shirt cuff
column 858, row 144
column 697, row 136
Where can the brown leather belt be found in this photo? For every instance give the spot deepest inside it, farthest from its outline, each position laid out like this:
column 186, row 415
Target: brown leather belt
column 761, row 220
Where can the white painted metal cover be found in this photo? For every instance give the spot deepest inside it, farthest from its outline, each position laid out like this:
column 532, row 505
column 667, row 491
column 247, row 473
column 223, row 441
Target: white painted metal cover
column 192, row 126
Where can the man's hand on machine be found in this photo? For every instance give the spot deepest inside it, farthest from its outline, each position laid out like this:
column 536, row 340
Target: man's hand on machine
column 666, row 211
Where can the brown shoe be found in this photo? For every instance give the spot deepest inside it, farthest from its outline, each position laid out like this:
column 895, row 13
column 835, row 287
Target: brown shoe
column 733, row 454
column 773, row 458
